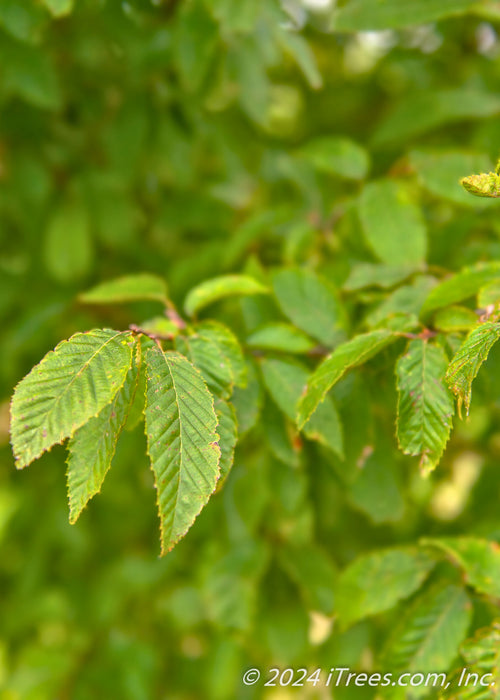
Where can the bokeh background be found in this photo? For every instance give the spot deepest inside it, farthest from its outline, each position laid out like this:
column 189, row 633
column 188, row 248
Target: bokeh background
column 190, row 139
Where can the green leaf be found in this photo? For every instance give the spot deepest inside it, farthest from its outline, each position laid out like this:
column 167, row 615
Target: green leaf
column 288, row 487
column 195, row 41
column 468, row 360
column 115, row 214
column 482, row 663
column 325, row 427
column 93, row 446
column 455, row 318
column 182, row 441
column 375, row 582
column 348, row 355
column 376, row 491
column 311, row 303
column 280, row 336
column 136, row 412
column 314, row 572
column 228, row 435
column 367, row 15
column 460, row 286
column 143, row 287
column 215, row 350
column 490, row 294
column 236, row 17
column 301, row 238
column 280, row 434
column 300, row 50
column 254, row 90
column 365, row 275
column 336, row 156
column 285, row 381
column 230, row 585
column 29, row 73
column 24, row 21
column 219, row 288
column 284, row 629
column 69, row 386
column 425, row 405
column 68, row 247
column 480, row 560
column 251, row 232
column 440, row 173
column 123, row 139
column 247, row 400
column 393, row 225
column 422, row 110
column 59, row 8
column 486, row 643
column 428, row 634
column 160, row 327
column 406, row 300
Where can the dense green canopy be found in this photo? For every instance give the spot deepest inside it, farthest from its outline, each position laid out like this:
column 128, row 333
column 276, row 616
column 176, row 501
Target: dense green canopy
column 263, row 200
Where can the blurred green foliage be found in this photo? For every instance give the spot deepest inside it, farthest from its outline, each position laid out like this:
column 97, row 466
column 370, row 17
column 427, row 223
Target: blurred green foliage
column 319, row 152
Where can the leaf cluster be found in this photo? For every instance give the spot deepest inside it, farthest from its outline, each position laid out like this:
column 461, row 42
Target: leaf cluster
column 332, row 295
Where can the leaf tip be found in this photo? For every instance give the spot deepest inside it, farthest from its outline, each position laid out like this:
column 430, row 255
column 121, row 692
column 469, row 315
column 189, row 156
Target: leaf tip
column 483, row 185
